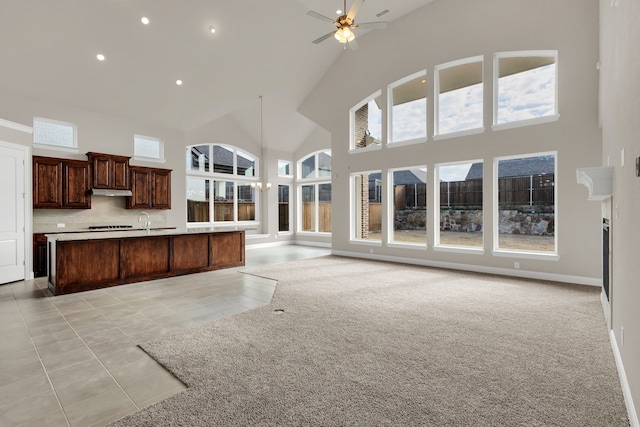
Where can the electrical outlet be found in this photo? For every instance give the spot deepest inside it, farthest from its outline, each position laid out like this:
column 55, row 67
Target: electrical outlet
column 622, row 336
column 516, row 264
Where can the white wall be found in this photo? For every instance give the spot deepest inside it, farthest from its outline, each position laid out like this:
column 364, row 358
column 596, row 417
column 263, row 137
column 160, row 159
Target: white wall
column 620, row 113
column 449, row 30
column 105, row 134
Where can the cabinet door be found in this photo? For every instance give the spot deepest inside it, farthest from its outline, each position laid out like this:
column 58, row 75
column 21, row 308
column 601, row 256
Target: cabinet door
column 47, row 183
column 75, row 190
column 39, row 255
column 227, row 249
column 161, row 189
column 101, row 172
column 140, row 188
column 120, row 173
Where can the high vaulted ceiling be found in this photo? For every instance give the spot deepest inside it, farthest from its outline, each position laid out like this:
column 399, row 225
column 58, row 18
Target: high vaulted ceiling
column 48, row 50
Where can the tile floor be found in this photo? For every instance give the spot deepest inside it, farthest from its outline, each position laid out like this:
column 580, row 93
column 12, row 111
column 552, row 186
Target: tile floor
column 73, row 360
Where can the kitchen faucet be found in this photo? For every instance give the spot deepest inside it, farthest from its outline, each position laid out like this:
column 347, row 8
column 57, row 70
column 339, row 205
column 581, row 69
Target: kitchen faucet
column 147, row 223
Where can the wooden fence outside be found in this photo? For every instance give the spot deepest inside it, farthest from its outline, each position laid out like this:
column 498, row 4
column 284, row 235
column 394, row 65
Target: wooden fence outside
column 324, row 217
column 198, row 211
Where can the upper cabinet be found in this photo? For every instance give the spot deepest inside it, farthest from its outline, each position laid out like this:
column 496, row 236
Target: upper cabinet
column 61, row 183
column 109, row 171
column 150, row 188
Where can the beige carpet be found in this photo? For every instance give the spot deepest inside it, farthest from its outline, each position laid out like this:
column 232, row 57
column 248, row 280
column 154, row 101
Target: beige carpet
column 364, row 343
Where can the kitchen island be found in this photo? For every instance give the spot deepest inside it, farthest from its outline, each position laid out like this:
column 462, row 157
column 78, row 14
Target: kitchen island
column 85, row 261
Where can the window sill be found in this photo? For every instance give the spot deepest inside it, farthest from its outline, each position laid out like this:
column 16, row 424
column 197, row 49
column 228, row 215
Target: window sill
column 407, row 245
column 529, row 122
column 313, row 233
column 56, row 148
column 526, row 255
column 149, row 159
column 458, row 134
column 459, row 250
column 407, row 142
column 373, row 147
column 366, row 242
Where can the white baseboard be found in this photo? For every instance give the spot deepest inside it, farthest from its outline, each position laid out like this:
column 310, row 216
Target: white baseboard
column 316, row 244
column 589, row 281
column 626, row 391
column 269, row 244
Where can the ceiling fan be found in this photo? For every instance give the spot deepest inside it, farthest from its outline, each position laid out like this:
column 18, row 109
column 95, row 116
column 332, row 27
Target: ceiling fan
column 345, row 25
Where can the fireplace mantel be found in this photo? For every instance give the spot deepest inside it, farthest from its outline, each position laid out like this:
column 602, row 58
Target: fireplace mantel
column 598, row 180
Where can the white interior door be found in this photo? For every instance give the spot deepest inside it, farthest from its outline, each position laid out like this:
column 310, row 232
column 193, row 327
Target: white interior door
column 12, row 205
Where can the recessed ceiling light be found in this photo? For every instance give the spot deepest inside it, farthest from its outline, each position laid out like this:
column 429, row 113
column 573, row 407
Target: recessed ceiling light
column 424, row 81
column 179, row 82
column 144, row 20
column 339, row 12
column 212, row 29
column 100, row 57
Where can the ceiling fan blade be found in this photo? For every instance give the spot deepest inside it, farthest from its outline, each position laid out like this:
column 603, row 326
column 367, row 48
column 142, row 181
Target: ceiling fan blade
column 354, row 10
column 373, row 25
column 323, row 38
column 320, row 16
column 353, row 45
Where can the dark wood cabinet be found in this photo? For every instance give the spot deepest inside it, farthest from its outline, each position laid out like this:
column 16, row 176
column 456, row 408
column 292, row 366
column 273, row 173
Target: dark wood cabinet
column 82, row 265
column 47, row 182
column 76, row 187
column 150, row 188
column 39, row 255
column 109, row 171
column 61, row 183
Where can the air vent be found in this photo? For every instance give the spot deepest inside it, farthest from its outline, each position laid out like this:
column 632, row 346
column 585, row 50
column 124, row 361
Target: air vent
column 384, row 12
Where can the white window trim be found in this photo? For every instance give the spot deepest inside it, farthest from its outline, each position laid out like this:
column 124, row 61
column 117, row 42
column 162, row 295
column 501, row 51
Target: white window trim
column 497, row 251
column 390, row 197
column 436, row 209
column 436, row 97
column 316, row 205
column 496, row 75
column 73, row 149
column 458, row 134
column 390, row 141
column 316, row 177
column 290, row 175
column 291, row 204
column 160, row 141
column 408, row 245
column 352, row 124
column 352, row 208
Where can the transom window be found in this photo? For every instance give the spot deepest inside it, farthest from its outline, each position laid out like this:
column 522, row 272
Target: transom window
column 314, row 193
column 55, row 133
column 408, row 109
column 148, row 147
column 366, row 122
column 223, row 159
column 459, row 101
column 525, row 86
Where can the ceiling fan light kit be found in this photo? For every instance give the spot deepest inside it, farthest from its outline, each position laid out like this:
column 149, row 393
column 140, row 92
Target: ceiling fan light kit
column 345, row 25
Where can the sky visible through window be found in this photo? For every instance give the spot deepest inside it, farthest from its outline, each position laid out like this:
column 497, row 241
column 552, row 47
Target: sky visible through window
column 460, row 109
column 410, row 120
column 527, row 95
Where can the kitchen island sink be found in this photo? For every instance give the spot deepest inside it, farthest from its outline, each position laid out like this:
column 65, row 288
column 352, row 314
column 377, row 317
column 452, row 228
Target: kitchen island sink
column 85, row 261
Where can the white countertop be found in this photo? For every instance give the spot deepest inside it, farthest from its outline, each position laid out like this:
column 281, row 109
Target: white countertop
column 119, row 234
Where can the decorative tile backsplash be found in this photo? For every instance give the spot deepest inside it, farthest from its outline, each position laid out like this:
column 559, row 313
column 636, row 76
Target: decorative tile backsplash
column 104, row 211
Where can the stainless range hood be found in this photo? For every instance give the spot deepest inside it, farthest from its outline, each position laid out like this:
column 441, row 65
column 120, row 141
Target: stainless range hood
column 110, row 193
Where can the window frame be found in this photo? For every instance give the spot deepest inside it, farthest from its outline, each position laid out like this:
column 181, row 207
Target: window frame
column 512, row 253
column 316, row 180
column 352, row 208
column 496, row 76
column 390, row 88
column 291, row 171
column 436, row 99
column 391, row 207
column 437, row 246
column 71, row 149
column 352, row 125
column 160, row 141
column 236, row 179
column 291, row 204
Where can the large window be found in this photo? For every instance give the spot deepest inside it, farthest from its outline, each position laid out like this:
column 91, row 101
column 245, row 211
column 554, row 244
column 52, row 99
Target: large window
column 459, row 101
column 409, row 197
column 460, row 194
column 366, row 122
column 366, row 196
column 221, row 185
column 408, row 109
column 314, row 177
column 525, row 86
column 55, row 133
column 525, row 216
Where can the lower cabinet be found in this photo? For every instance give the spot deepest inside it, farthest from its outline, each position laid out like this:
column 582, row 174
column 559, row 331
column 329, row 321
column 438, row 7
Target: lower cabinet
column 81, row 265
column 39, row 255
